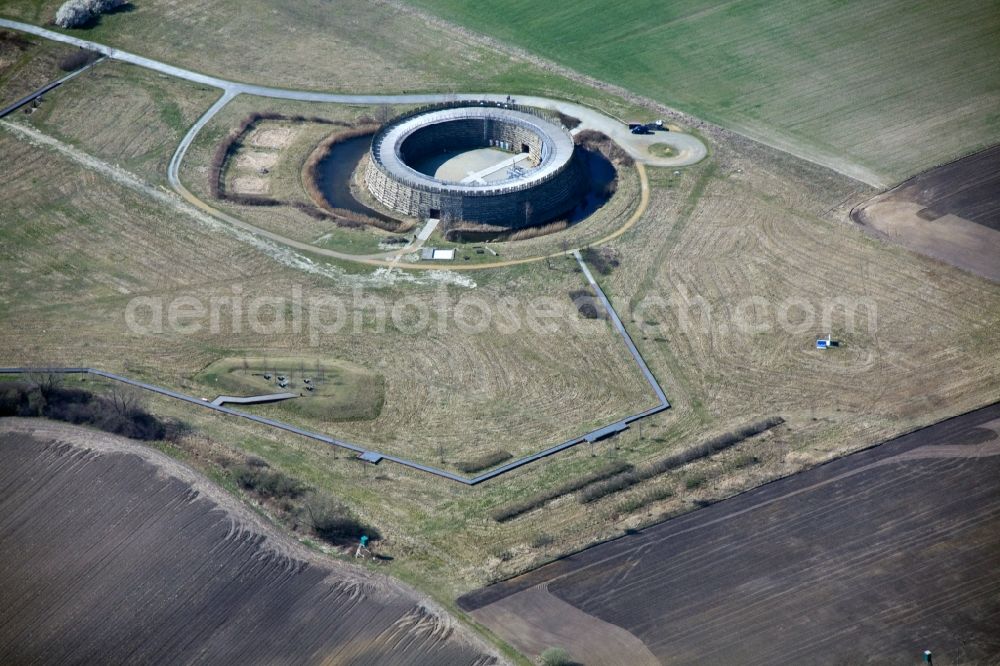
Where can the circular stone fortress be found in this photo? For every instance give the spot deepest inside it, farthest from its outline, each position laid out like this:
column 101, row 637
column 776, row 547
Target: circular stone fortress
column 478, row 163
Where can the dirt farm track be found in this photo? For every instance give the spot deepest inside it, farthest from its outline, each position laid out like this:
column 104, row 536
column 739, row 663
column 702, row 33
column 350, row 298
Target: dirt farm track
column 111, row 553
column 871, row 558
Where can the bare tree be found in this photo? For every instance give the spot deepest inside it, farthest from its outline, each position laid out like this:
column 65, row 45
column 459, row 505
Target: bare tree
column 383, row 114
column 47, row 382
column 124, row 400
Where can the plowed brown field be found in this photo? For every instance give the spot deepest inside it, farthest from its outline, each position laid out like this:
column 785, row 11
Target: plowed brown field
column 113, row 553
column 871, row 558
column 950, row 213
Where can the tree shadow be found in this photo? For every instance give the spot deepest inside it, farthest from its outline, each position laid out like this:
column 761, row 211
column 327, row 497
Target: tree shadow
column 127, row 8
column 95, row 19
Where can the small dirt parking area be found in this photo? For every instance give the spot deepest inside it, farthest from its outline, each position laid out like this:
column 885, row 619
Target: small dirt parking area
column 950, row 213
column 112, row 553
column 871, row 558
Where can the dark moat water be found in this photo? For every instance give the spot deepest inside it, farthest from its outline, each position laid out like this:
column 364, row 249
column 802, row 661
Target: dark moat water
column 335, row 172
column 602, row 174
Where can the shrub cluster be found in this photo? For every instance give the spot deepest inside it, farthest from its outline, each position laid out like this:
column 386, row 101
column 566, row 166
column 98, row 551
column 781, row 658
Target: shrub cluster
column 594, row 140
column 328, row 517
column 568, row 121
column 79, row 13
column 542, row 539
column 252, row 200
column 537, row 231
column 694, row 480
column 483, row 462
column 383, row 114
column 78, row 59
column 679, row 459
column 587, row 304
column 348, row 219
column 555, row 656
column 613, row 485
column 643, row 499
column 15, row 39
column 226, row 148
column 333, row 521
column 120, row 413
column 456, row 230
column 509, row 511
column 344, row 219
column 604, row 259
column 315, row 212
column 744, row 460
column 255, row 476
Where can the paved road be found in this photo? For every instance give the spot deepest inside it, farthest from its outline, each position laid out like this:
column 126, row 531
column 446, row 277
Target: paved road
column 690, row 150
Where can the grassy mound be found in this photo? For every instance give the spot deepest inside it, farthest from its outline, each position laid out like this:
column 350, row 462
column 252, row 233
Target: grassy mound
column 329, row 390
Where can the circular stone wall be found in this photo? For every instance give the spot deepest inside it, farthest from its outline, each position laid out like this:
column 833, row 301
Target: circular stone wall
column 547, row 182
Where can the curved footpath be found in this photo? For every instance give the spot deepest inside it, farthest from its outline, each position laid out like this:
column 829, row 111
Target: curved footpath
column 689, row 150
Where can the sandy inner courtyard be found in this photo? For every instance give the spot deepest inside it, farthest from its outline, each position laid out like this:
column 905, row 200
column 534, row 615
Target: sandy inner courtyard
column 454, row 166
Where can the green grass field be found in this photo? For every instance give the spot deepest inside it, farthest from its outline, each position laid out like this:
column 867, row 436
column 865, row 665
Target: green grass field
column 348, row 46
column 340, row 391
column 285, row 177
column 892, row 87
